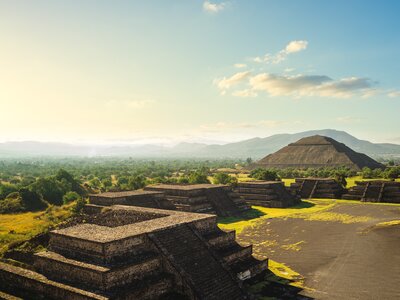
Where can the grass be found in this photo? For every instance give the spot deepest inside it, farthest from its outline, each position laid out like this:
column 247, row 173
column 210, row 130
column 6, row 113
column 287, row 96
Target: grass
column 388, row 224
column 21, row 227
column 283, row 271
column 294, row 246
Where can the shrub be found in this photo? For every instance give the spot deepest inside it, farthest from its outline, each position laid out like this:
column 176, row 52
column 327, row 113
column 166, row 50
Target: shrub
column 224, row 178
column 264, row 174
column 79, row 205
column 12, row 204
column 70, row 197
column 198, row 177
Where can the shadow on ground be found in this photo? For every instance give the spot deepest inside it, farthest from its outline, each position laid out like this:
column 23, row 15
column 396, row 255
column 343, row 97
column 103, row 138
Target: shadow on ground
column 271, row 286
column 248, row 215
column 254, row 213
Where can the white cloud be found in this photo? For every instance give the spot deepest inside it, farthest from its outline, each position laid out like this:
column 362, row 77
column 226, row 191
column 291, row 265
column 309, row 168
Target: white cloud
column 291, row 47
column 226, row 83
column 240, row 66
column 296, row 46
column 213, row 7
column 309, row 85
column 394, row 94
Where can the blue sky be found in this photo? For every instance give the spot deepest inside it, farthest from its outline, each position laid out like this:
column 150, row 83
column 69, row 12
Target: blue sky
column 207, row 71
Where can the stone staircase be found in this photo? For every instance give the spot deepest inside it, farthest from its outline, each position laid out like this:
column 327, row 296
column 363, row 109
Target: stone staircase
column 317, row 188
column 374, row 191
column 189, row 254
column 266, row 193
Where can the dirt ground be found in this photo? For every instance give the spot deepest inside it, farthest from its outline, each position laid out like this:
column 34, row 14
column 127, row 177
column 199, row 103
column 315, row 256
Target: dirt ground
column 340, row 251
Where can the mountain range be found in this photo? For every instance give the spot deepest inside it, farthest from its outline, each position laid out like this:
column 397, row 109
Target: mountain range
column 255, row 148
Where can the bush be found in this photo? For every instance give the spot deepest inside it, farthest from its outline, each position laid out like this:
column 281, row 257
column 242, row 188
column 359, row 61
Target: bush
column 79, row 205
column 12, row 204
column 224, row 178
column 264, row 174
column 32, row 201
column 198, row 177
column 70, row 197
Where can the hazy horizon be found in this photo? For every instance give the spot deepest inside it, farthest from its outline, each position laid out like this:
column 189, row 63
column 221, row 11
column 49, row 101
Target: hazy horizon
column 164, row 72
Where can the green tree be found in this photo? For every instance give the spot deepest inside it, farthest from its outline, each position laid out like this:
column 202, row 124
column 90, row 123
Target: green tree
column 224, row 178
column 51, row 189
column 198, row 177
column 264, row 174
column 70, row 197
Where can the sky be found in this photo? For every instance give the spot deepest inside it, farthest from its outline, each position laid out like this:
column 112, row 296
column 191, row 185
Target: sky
column 197, row 71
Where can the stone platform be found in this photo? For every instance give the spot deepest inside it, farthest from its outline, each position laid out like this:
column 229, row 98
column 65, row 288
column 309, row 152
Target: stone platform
column 317, row 188
column 203, row 198
column 267, row 193
column 128, row 252
column 136, row 198
column 374, row 191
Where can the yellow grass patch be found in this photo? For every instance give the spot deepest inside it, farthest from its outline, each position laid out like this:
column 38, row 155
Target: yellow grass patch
column 283, row 271
column 388, row 224
column 293, row 247
column 20, row 227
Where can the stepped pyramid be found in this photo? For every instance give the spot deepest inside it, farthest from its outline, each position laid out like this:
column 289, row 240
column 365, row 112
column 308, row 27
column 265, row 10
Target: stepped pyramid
column 202, row 198
column 317, row 152
column 129, row 252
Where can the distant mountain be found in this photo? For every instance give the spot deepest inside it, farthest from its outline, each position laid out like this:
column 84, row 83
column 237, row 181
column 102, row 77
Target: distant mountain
column 260, row 147
column 255, row 148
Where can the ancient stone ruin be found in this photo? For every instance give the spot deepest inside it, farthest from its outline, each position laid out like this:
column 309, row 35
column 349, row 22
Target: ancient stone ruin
column 374, row 191
column 134, row 198
column 267, row 193
column 317, row 188
column 128, row 252
column 317, row 152
column 203, row 198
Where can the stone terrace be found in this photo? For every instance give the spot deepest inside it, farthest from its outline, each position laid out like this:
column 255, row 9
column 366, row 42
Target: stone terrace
column 149, row 253
column 267, row 193
column 374, row 191
column 203, row 198
column 135, row 198
column 317, row 188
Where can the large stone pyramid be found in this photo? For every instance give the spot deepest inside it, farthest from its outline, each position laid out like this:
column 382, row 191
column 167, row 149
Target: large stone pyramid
column 317, row 152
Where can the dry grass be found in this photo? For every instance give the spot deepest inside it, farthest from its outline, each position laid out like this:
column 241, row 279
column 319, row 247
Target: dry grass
column 21, row 227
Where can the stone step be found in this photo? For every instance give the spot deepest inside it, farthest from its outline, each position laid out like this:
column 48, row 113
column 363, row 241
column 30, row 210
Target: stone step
column 219, row 239
column 64, row 269
column 249, row 267
column 196, row 263
column 235, row 252
column 259, row 197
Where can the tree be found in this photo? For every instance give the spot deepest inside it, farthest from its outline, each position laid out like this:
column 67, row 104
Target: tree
column 32, row 200
column 198, row 177
column 264, row 174
column 224, row 178
column 70, row 197
column 136, row 182
column 51, row 190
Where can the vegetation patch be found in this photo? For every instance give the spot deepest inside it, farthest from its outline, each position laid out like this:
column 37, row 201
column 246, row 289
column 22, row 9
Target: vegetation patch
column 285, row 274
column 16, row 228
column 293, row 247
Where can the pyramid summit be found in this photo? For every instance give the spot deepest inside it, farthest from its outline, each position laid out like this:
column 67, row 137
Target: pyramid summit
column 317, row 152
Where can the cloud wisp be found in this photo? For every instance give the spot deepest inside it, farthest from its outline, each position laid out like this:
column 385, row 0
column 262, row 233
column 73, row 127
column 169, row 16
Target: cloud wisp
column 296, row 86
column 213, row 7
column 291, row 47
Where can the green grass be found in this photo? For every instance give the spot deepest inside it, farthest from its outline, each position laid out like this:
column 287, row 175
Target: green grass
column 16, row 228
